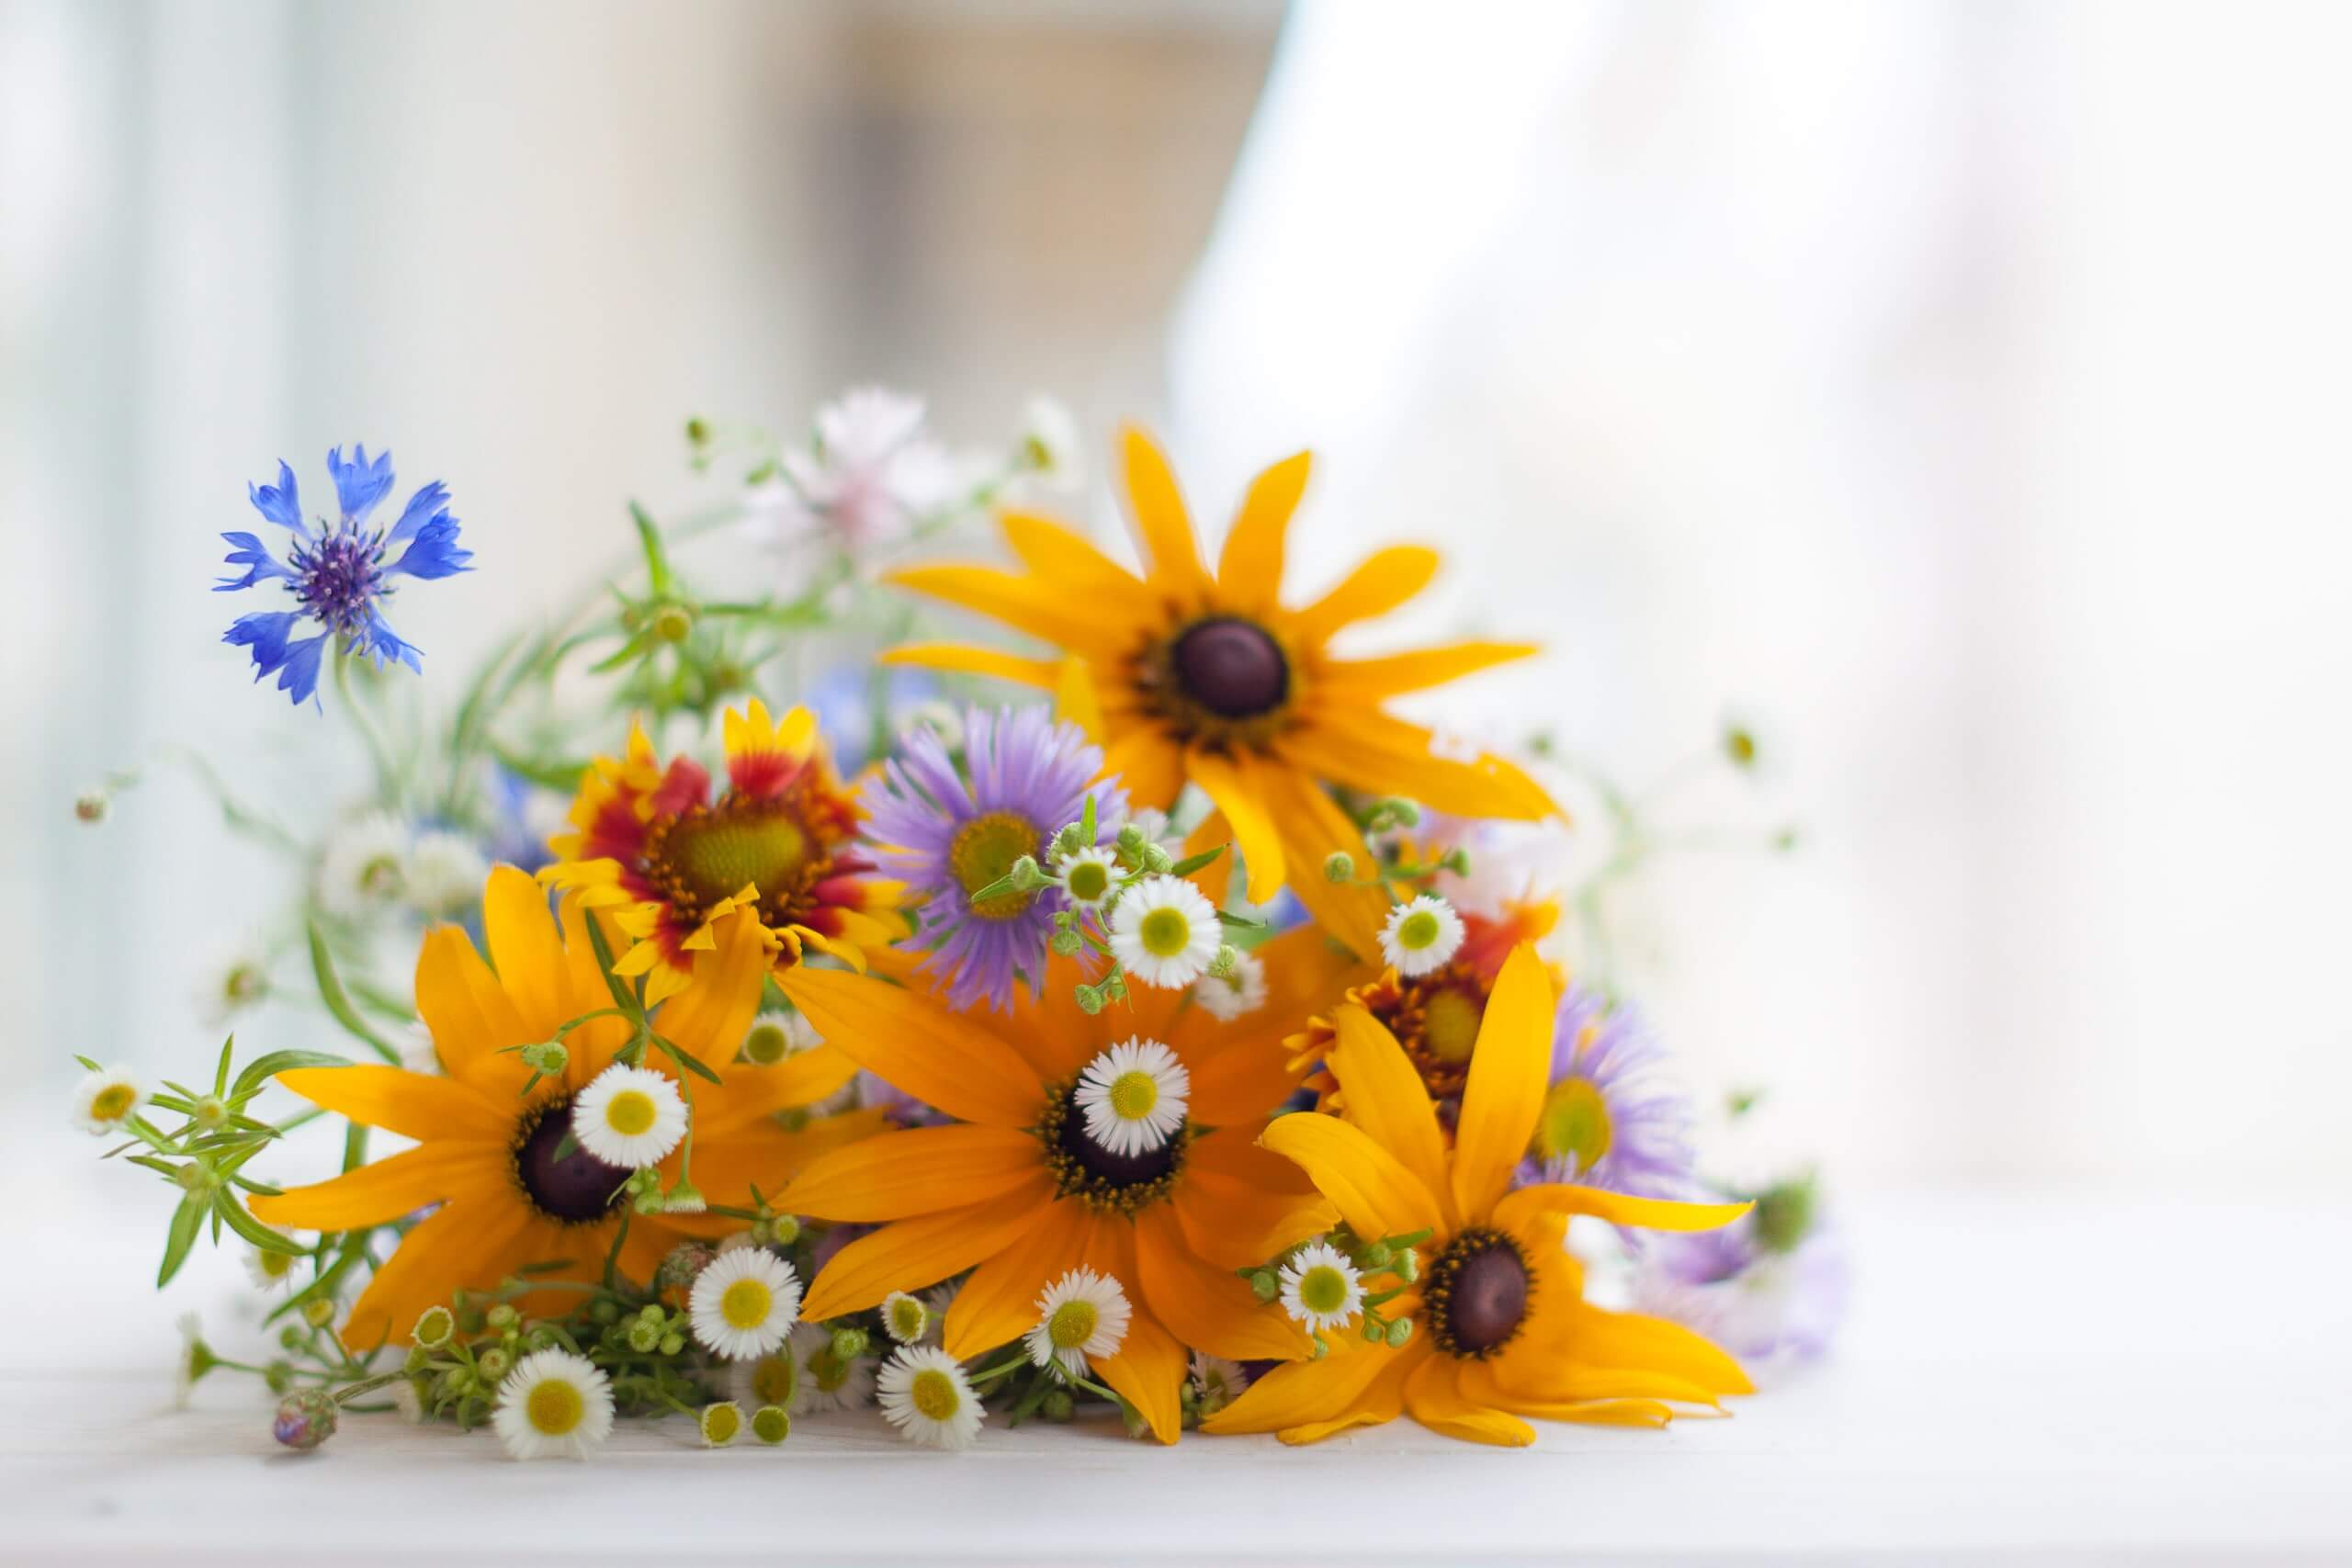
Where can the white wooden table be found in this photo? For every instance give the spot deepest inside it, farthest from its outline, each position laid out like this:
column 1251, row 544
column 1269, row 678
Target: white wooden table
column 2061, row 1377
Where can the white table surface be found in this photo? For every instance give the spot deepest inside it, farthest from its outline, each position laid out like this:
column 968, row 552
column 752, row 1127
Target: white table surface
column 2033, row 1376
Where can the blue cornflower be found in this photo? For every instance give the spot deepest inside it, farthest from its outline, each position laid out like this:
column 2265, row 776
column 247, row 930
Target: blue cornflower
column 341, row 573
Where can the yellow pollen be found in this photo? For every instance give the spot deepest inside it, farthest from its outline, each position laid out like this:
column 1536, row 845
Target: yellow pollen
column 630, row 1113
column 554, row 1407
column 1322, row 1289
column 983, row 852
column 933, row 1393
column 1133, row 1096
column 113, row 1102
column 746, row 1303
column 1073, row 1324
column 1575, row 1120
column 1165, row 932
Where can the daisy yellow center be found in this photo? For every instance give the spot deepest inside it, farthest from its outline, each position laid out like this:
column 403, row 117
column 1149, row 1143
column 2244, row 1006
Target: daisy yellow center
column 907, row 1319
column 1323, row 1289
column 554, row 1407
column 773, row 1378
column 1575, row 1122
column 1134, row 1096
column 746, row 1303
column 721, row 1423
column 1416, row 931
column 277, row 1265
column 983, row 852
column 114, row 1102
column 716, row 856
column 630, row 1113
column 1450, row 1022
column 765, row 1045
column 1165, row 932
column 933, row 1394
column 1073, row 1324
column 830, row 1370
column 1088, row 881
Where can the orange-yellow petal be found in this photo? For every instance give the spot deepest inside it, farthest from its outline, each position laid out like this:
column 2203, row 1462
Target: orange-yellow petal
column 1149, row 1369
column 964, row 660
column 1250, row 570
column 1385, row 1096
column 1375, row 1194
column 1150, row 765
column 1617, row 1208
column 907, row 1255
column 1156, row 510
column 1020, row 603
column 386, row 1188
column 1373, row 678
column 1381, row 581
column 1313, row 827
column 752, row 1094
column 1433, row 1394
column 1208, row 1307
column 998, row 1303
column 1056, row 555
column 524, row 945
column 915, row 1172
column 1357, row 745
column 1233, row 783
column 469, row 1244
column 1319, row 1394
column 470, row 1017
column 913, row 1044
column 1510, row 1069
column 411, row 1104
column 709, row 1020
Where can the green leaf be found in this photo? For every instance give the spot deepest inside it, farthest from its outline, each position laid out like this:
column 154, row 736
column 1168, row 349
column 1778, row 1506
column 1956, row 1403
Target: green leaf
column 1239, row 922
column 1087, row 832
column 1192, row 864
column 184, row 1221
column 558, row 775
column 622, row 994
column 221, row 1073
column 625, row 654
column 261, row 1069
column 381, row 1001
column 656, row 560
column 332, row 993
column 686, row 1059
column 233, row 1215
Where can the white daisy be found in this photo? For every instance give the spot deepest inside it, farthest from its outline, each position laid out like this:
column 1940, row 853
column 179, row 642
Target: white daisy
column 721, row 1422
column 1422, row 934
column 1216, row 1382
column 1133, row 1097
column 1320, row 1289
column 825, row 1381
column 271, row 1269
column 1082, row 1316
column 873, row 473
column 1088, row 875
column 1235, row 995
column 106, row 1099
column 1154, row 825
column 363, row 869
column 1164, row 932
column 905, row 1318
column 772, row 1379
column 1050, row 441
column 443, row 874
column 939, row 1298
column 744, row 1304
column 777, row 1036
column 236, row 978
column 926, row 1396
column 409, row 1401
column 631, row 1116
column 196, row 1359
column 553, row 1405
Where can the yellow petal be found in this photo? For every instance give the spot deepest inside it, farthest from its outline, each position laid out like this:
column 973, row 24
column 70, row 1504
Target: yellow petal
column 1241, row 1204
column 1150, row 765
column 1074, row 699
column 1376, row 678
column 1433, row 1394
column 386, row 1188
column 766, row 1155
column 528, row 954
column 1603, row 1339
column 1208, row 1307
column 464, row 1245
column 1357, row 745
column 1313, row 1392
column 752, row 1094
column 1384, row 579
column 1039, row 672
column 998, row 1303
column 1070, row 560
column 915, row 1172
column 1385, row 1096
column 470, row 1017
column 1019, row 602
column 913, row 1044
column 1510, row 1067
column 1250, row 571
column 1312, row 827
column 1156, row 509
column 411, row 1104
column 1241, row 799
column 907, row 1255
column 711, row 1016
column 1617, row 1208
column 1376, row 1196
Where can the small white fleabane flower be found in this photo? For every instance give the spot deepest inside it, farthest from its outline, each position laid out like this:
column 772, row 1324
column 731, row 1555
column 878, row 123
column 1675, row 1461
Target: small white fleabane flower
column 1422, row 934
column 631, row 1116
column 905, row 1318
column 554, row 1404
column 1088, row 875
column 875, row 470
column 271, row 1269
column 236, row 978
column 1320, row 1289
column 777, row 1036
column 824, row 1381
column 1133, row 1097
column 721, row 1422
column 772, row 1379
column 444, row 875
column 1050, row 441
column 1216, row 1382
column 106, row 1100
column 1154, row 825
column 1164, row 932
column 939, row 1298
column 1082, row 1316
column 1235, row 995
column 363, row 870
column 744, row 1304
column 924, row 1394
column 409, row 1401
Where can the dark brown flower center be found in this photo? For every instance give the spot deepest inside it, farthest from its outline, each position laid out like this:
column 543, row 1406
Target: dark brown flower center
column 1084, row 1169
column 1233, row 668
column 1477, row 1292
column 574, row 1186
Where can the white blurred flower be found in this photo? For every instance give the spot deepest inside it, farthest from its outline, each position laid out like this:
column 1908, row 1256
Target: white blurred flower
column 234, row 979
column 363, row 870
column 1050, row 443
column 444, row 872
column 874, row 472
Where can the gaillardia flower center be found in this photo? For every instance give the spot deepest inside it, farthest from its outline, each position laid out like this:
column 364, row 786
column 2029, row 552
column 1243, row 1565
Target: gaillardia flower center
column 575, row 1187
column 1097, row 1177
column 983, row 850
column 1231, row 667
column 1477, row 1294
column 705, row 854
column 1574, row 1123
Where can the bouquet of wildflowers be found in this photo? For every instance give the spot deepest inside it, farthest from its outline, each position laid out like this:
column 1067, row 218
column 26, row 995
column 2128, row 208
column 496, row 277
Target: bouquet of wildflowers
column 749, row 1008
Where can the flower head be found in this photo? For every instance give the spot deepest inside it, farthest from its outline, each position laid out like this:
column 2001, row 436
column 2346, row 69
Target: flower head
column 553, row 1405
column 827, row 1380
column 1216, row 1382
column 305, row 1419
column 1320, row 1289
column 1164, row 932
column 721, row 1422
column 236, row 979
column 103, row 1100
column 271, row 1269
column 770, row 1379
column 924, row 1394
column 1133, row 1097
column 952, row 832
column 905, row 1318
column 363, row 870
column 1089, row 875
column 629, row 1117
column 872, row 473
column 1049, row 442
column 443, row 874
column 1607, row 1119
column 1081, row 1316
column 1420, row 935
column 196, row 1358
column 744, row 1304
column 1236, row 993
column 341, row 574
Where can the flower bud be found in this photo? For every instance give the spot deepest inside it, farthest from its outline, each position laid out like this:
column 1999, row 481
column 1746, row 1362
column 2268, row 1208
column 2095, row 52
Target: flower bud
column 771, row 1424
column 1131, row 843
column 674, row 623
column 1026, row 876
column 644, row 1338
column 305, row 1420
column 849, row 1344
column 1338, row 866
column 210, row 1112
column 90, row 806
column 672, row 1343
column 548, row 1056
column 1066, row 942
column 319, row 1311
column 434, row 1326
column 1058, row 1405
column 502, row 1316
column 685, row 1198
column 1399, row 1331
column 1264, row 1285
column 493, row 1363
column 1221, row 967
column 1156, row 858
column 1070, row 840
column 1089, row 1000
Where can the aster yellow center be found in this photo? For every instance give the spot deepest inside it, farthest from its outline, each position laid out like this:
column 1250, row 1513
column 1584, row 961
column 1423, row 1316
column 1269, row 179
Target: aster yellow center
column 1165, row 932
column 554, row 1407
column 1450, row 1022
column 933, row 1394
column 1073, row 1324
column 1575, row 1122
column 983, row 852
column 746, row 1303
column 113, row 1102
column 630, row 1113
column 1133, row 1096
column 1322, row 1289
column 717, row 855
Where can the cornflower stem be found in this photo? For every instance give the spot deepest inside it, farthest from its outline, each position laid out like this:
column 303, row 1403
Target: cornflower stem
column 386, row 777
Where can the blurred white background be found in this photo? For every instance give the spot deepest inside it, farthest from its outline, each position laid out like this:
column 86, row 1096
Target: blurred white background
column 1959, row 388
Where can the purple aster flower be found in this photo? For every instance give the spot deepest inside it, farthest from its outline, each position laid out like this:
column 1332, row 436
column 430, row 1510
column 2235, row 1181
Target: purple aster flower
column 951, row 832
column 1763, row 1288
column 340, row 574
column 1608, row 1121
